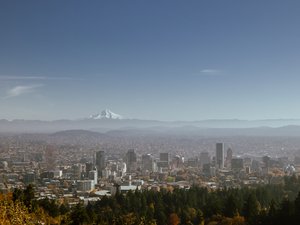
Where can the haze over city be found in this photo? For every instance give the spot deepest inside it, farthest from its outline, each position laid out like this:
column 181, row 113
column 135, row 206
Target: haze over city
column 160, row 60
column 149, row 112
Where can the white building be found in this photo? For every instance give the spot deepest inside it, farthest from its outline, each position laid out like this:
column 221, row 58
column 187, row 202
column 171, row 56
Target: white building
column 85, row 185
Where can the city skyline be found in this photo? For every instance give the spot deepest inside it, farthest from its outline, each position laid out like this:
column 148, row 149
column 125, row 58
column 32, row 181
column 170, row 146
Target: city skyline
column 168, row 61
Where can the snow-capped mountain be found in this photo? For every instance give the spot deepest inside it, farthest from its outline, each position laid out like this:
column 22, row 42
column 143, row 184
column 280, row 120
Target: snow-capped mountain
column 106, row 114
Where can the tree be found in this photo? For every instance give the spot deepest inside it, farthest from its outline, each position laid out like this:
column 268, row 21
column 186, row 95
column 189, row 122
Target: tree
column 231, row 208
column 199, row 219
column 78, row 215
column 213, row 205
column 238, row 220
column 25, row 196
column 251, row 208
column 15, row 213
column 173, row 219
column 49, row 206
column 17, row 195
column 29, row 197
column 272, row 210
column 286, row 211
column 297, row 205
column 63, row 209
column 185, row 217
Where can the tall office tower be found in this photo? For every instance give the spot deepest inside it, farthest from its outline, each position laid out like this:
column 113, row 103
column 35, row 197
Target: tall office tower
column 220, row 155
column 163, row 162
column 228, row 158
column 88, row 167
column 131, row 161
column 147, row 163
column 78, row 171
column 204, row 158
column 100, row 162
column 237, row 164
column 93, row 175
column 164, row 157
column 50, row 157
column 266, row 160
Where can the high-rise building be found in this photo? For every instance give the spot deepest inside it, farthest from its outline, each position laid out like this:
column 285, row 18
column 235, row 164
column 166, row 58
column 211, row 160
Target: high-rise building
column 85, row 185
column 228, row 157
column 208, row 170
column 100, row 162
column 220, row 155
column 164, row 160
column 131, row 161
column 204, row 158
column 164, row 157
column 93, row 175
column 237, row 164
column 147, row 163
column 266, row 160
column 50, row 157
column 88, row 167
column 78, row 170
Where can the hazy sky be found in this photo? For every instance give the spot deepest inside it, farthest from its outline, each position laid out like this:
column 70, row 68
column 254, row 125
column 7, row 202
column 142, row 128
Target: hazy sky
column 165, row 60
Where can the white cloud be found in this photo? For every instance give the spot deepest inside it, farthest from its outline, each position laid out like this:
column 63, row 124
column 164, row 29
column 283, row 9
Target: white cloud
column 36, row 78
column 22, row 78
column 210, row 71
column 20, row 90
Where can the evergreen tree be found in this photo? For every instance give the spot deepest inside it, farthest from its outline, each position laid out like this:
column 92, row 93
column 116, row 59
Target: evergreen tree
column 251, row 208
column 79, row 215
column 231, row 208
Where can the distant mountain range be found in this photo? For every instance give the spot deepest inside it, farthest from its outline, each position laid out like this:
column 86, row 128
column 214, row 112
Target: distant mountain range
column 108, row 121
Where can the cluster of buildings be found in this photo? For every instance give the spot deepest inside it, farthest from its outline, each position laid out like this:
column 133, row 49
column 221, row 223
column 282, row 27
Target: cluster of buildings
column 106, row 174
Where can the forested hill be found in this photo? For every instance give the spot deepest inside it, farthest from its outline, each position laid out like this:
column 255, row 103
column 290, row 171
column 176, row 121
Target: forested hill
column 268, row 205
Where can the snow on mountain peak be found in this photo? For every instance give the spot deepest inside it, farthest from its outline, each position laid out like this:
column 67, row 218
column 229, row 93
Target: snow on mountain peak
column 106, row 114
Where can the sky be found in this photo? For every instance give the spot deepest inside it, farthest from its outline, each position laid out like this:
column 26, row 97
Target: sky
column 150, row 59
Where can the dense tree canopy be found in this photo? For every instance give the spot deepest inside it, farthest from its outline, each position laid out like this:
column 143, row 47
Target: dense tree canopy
column 265, row 204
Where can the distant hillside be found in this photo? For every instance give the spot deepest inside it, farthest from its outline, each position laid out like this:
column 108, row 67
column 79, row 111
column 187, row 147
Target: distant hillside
column 76, row 137
column 106, row 124
column 76, row 133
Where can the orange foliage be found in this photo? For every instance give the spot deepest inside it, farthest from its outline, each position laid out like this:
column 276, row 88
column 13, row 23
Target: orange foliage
column 174, row 219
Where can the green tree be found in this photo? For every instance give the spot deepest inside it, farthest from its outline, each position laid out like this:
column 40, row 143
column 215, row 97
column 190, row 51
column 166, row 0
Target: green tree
column 251, row 208
column 297, row 205
column 79, row 215
column 286, row 211
column 231, row 208
column 63, row 209
column 199, row 219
